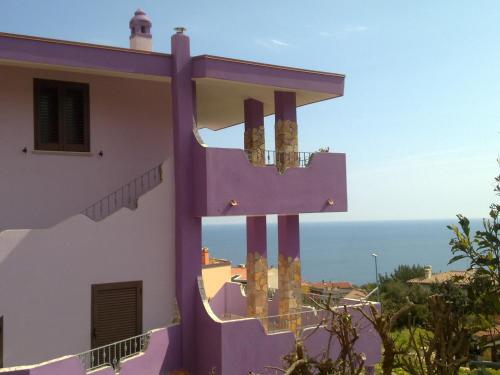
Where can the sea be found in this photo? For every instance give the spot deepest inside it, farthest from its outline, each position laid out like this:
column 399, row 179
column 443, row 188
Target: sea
column 342, row 251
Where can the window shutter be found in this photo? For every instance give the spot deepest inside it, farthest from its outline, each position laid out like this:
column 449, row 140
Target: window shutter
column 61, row 116
column 74, row 110
column 117, row 312
column 47, row 116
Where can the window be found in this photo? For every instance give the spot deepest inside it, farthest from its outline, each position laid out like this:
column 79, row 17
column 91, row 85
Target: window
column 61, row 116
column 116, row 312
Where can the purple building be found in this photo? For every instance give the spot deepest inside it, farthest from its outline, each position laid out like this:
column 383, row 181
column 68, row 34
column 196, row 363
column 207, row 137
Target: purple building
column 104, row 184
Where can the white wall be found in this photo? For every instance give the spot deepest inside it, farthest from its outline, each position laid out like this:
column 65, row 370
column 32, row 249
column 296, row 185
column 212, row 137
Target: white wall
column 130, row 121
column 46, row 275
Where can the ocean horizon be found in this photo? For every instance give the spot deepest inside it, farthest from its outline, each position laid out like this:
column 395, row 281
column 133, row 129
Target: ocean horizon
column 342, row 250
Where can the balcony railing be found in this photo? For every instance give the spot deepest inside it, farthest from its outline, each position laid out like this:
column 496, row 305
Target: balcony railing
column 272, row 157
column 307, row 317
column 113, row 354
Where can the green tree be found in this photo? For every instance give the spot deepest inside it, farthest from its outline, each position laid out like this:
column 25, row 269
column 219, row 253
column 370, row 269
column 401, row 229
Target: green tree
column 396, row 293
column 482, row 251
column 404, row 272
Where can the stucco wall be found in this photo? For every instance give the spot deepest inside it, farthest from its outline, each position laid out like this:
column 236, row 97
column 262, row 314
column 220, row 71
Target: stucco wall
column 46, row 275
column 228, row 301
column 130, row 121
column 244, row 345
column 215, row 277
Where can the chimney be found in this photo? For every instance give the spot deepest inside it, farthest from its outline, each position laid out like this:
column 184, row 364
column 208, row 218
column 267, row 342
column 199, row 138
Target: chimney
column 427, row 272
column 205, row 256
column 140, row 32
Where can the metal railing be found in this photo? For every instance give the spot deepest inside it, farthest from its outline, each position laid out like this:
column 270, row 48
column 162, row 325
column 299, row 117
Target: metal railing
column 126, row 196
column 284, row 322
column 113, row 354
column 272, row 157
column 307, row 317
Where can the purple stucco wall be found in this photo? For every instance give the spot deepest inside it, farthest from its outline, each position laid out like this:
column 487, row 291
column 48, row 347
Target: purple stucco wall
column 289, row 236
column 229, row 300
column 257, row 235
column 79, row 55
column 208, row 343
column 244, row 346
column 254, row 114
column 226, row 174
column 285, row 106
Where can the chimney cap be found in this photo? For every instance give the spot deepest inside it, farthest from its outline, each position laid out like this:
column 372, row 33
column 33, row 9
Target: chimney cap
column 140, row 18
column 180, row 29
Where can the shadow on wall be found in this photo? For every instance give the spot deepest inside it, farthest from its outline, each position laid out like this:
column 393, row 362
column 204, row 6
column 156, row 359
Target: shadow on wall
column 46, row 275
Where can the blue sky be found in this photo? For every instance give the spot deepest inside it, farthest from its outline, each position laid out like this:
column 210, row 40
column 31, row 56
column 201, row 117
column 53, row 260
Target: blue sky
column 420, row 119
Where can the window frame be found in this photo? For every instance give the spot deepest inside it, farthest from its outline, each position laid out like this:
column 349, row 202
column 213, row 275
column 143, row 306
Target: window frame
column 61, row 87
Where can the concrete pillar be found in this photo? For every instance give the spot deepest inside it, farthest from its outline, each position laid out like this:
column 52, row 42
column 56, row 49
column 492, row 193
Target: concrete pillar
column 289, row 273
column 256, row 226
column 254, row 132
column 257, row 267
column 187, row 225
column 285, row 130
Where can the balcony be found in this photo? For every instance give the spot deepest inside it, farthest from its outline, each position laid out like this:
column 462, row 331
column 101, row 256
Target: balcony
column 224, row 319
column 228, row 184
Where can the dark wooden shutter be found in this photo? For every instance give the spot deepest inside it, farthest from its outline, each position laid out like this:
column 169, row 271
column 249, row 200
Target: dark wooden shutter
column 61, row 116
column 75, row 117
column 47, row 133
column 116, row 312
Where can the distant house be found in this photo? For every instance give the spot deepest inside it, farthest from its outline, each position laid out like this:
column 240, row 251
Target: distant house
column 429, row 279
column 215, row 272
column 239, row 275
column 490, row 339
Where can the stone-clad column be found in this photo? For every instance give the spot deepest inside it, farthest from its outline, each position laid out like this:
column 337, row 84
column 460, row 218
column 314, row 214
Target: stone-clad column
column 285, row 130
column 257, row 267
column 289, row 274
column 254, row 131
column 256, row 226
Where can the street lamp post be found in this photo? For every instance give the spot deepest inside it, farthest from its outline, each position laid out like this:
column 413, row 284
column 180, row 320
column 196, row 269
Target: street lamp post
column 376, row 276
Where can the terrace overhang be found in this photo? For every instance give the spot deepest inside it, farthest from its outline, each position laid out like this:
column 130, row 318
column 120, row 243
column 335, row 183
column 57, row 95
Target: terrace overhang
column 223, row 84
column 29, row 51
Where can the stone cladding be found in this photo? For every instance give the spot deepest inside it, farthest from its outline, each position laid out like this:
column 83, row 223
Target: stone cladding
column 255, row 145
column 287, row 145
column 290, row 294
column 257, row 285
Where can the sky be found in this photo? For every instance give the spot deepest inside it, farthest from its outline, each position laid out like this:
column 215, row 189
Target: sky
column 420, row 116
